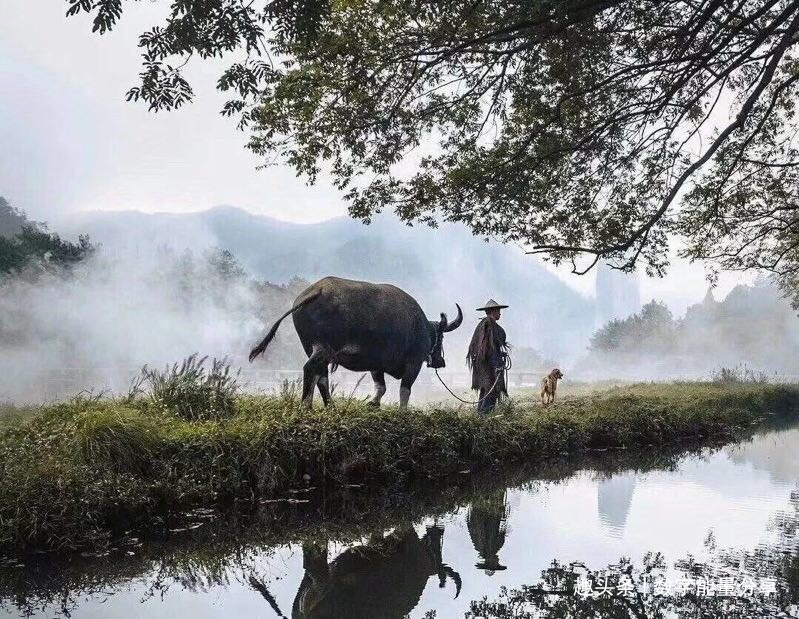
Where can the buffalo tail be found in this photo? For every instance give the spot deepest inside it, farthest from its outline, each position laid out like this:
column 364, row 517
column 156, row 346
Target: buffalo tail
column 269, row 336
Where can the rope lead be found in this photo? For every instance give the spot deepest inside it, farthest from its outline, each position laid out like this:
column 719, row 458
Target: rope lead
column 504, row 370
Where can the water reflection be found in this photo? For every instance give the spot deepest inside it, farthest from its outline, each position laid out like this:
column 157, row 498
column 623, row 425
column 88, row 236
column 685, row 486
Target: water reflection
column 614, row 498
column 735, row 584
column 458, row 549
column 775, row 455
column 383, row 578
column 487, row 522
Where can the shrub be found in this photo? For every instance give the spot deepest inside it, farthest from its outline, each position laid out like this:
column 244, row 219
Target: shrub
column 191, row 391
column 737, row 375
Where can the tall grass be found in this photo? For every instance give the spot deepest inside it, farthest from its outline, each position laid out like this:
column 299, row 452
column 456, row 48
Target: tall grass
column 738, row 374
column 119, row 437
column 190, row 390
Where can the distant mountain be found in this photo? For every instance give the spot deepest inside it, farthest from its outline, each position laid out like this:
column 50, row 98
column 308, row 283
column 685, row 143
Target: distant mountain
column 438, row 266
column 618, row 294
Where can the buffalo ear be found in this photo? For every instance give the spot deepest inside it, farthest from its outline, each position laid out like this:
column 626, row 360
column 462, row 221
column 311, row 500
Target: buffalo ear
column 442, row 324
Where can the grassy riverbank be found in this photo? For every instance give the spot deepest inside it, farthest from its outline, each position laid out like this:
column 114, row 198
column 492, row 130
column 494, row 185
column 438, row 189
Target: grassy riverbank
column 76, row 474
column 211, row 546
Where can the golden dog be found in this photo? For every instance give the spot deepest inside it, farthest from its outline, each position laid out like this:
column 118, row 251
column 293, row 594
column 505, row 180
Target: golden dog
column 549, row 385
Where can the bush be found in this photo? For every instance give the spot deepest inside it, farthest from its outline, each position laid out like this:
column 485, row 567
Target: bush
column 738, row 375
column 190, row 391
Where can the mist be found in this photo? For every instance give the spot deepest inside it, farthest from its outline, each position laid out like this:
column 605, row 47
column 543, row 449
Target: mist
column 162, row 287
column 93, row 327
column 752, row 331
column 438, row 267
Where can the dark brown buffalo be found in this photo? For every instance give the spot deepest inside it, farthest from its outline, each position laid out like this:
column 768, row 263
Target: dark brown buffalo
column 364, row 327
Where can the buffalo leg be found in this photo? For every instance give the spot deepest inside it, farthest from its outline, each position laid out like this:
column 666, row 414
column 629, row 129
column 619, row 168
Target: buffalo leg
column 380, row 388
column 312, row 371
column 411, row 372
column 324, row 387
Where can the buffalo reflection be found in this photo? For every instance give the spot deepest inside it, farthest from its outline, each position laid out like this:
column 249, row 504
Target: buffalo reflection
column 383, row 578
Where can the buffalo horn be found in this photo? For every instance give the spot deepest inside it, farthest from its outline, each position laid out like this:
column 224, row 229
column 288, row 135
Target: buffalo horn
column 454, row 324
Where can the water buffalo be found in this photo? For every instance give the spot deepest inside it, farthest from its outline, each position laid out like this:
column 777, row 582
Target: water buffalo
column 363, row 327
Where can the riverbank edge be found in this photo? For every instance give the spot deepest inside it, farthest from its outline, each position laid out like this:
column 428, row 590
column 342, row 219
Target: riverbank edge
column 207, row 545
column 78, row 474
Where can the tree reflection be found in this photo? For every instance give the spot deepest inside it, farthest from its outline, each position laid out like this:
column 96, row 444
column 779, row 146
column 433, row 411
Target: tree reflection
column 734, row 584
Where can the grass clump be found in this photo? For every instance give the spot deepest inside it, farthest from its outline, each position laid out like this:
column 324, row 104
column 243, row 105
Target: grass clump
column 76, row 473
column 189, row 389
column 11, row 414
column 118, row 437
column 737, row 375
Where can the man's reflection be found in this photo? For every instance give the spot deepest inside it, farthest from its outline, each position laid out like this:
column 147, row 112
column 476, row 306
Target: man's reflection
column 487, row 521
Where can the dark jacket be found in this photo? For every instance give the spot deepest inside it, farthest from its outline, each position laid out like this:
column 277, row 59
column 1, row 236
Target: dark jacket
column 487, row 353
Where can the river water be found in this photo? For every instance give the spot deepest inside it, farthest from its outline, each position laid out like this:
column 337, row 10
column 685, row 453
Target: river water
column 710, row 533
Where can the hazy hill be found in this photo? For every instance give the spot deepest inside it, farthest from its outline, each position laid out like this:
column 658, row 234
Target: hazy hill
column 439, row 267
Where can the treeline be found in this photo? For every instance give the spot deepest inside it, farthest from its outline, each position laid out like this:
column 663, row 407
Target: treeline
column 25, row 243
column 652, row 329
column 753, row 325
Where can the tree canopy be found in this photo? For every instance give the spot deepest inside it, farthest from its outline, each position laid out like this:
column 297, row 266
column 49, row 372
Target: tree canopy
column 23, row 242
column 585, row 130
column 12, row 219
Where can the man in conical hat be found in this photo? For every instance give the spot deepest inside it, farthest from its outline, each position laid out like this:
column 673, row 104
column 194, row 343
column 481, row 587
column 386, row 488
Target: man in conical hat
column 488, row 351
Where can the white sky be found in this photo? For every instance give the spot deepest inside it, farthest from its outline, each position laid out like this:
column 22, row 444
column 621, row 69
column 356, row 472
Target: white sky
column 70, row 142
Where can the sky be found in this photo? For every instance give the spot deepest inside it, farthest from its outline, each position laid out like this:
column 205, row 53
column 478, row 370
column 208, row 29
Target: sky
column 70, row 141
column 76, row 144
